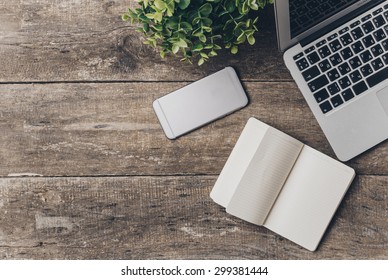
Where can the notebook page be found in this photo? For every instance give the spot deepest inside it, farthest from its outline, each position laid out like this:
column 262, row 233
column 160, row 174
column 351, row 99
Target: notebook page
column 309, row 198
column 264, row 177
column 238, row 161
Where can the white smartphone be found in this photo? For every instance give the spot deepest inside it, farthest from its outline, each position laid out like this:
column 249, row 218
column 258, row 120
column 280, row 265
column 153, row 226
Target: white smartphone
column 201, row 102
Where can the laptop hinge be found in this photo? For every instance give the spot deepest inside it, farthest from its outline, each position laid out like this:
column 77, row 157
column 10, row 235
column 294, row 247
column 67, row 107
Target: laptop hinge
column 338, row 22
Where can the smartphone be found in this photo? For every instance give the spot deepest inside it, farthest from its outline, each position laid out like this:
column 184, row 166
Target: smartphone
column 200, row 103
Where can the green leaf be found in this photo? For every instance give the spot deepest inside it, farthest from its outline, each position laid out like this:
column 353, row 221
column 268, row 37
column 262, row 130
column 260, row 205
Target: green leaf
column 158, row 16
column 205, row 10
column 183, row 4
column 212, row 53
column 196, row 20
column 170, row 5
column 186, row 26
column 197, row 47
column 197, row 32
column 181, row 43
column 145, row 3
column 251, row 40
column 150, row 15
column 207, row 29
column 234, row 50
column 230, row 6
column 175, row 49
column 206, row 21
column 203, row 55
column 216, row 47
column 172, row 23
column 160, row 5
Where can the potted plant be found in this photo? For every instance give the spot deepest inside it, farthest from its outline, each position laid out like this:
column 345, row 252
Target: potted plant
column 196, row 29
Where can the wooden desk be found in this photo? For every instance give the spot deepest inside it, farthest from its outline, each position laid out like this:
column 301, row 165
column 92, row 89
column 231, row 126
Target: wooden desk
column 87, row 173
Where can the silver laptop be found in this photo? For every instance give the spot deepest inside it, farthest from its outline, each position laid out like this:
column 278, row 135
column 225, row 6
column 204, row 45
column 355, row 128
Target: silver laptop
column 336, row 50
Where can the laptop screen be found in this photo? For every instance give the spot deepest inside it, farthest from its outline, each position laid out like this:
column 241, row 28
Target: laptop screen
column 305, row 14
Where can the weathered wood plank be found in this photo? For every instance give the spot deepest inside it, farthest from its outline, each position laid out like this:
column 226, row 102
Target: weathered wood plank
column 87, row 41
column 168, row 217
column 99, row 129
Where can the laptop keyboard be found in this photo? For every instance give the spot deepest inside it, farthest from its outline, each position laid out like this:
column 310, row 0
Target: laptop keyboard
column 347, row 63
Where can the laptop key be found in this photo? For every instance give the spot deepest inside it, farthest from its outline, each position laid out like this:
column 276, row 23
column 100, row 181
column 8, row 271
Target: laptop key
column 332, row 36
column 379, row 21
column 354, row 24
column 378, row 77
column 344, row 68
column 360, row 88
column 333, row 88
column 326, row 107
column 324, row 51
column 379, row 35
column 368, row 41
column 366, row 70
column 318, row 83
column 357, row 47
column 347, row 94
column 336, row 100
column 377, row 50
column 313, row 58
column 344, row 82
column 357, row 33
column 377, row 11
column 346, row 39
column 302, row 64
column 365, row 18
column 320, row 43
column 299, row 55
column 321, row 95
column 346, row 53
column 311, row 73
column 309, row 50
column 366, row 56
column 343, row 30
column 355, row 76
column 377, row 64
column 335, row 45
column 355, row 62
column 335, row 59
column 368, row 27
column 333, row 74
column 324, row 65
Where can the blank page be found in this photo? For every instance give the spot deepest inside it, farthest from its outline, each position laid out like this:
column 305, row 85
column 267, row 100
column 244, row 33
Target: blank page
column 238, row 161
column 309, row 198
column 264, row 176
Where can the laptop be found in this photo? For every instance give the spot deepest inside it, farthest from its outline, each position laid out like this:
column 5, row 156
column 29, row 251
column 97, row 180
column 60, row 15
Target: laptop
column 336, row 51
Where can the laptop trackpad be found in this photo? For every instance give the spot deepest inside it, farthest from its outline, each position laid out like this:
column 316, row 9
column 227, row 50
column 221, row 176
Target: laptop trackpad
column 382, row 95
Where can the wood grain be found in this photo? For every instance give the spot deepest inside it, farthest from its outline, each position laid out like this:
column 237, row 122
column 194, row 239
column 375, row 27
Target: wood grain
column 168, row 217
column 43, row 41
column 99, row 129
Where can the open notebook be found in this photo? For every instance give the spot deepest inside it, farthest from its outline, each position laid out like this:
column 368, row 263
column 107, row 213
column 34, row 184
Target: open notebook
column 272, row 179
